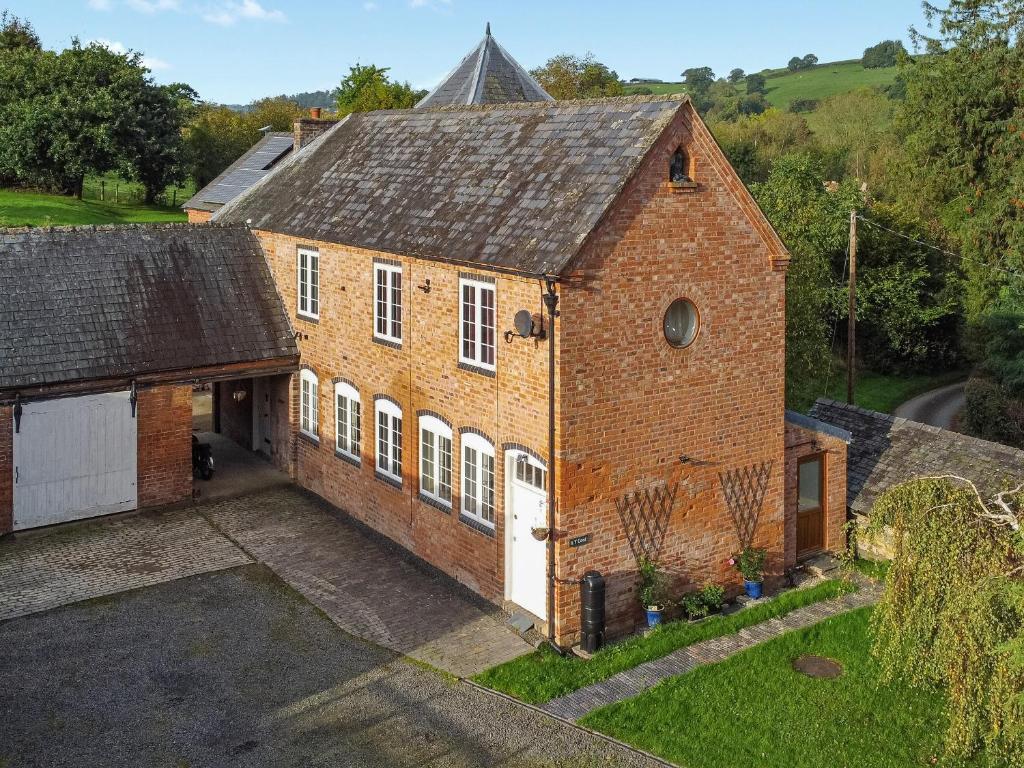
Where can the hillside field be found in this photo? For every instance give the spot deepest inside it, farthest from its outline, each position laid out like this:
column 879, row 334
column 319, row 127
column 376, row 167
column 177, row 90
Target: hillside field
column 820, row 82
column 37, row 209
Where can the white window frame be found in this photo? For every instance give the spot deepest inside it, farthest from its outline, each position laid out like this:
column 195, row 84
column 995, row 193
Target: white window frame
column 476, row 355
column 353, row 420
column 389, row 270
column 394, row 425
column 473, row 473
column 309, row 405
column 306, row 304
column 438, row 431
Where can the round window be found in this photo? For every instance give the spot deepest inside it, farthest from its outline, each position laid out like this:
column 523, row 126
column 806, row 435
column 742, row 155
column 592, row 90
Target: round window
column 681, row 323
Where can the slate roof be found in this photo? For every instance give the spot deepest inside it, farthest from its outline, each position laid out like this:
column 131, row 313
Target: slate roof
column 888, row 450
column 86, row 303
column 487, row 75
column 252, row 166
column 511, row 186
column 816, row 425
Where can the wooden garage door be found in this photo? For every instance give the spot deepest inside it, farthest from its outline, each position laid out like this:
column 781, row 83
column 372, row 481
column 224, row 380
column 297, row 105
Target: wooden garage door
column 74, row 457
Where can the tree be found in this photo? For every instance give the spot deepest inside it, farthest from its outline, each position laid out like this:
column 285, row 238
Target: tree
column 736, row 75
column 754, row 143
column 571, row 77
column 369, row 88
column 756, row 83
column 277, row 112
column 885, row 54
column 214, row 138
column 856, row 123
column 808, row 61
column 17, row 33
column 952, row 611
column 158, row 159
column 795, row 63
column 698, row 81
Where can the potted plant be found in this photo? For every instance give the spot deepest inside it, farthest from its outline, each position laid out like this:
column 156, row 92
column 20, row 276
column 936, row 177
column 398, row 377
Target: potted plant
column 750, row 564
column 713, row 596
column 652, row 591
column 702, row 603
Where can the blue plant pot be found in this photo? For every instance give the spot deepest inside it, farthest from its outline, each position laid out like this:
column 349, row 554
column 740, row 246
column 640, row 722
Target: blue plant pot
column 653, row 618
column 753, row 588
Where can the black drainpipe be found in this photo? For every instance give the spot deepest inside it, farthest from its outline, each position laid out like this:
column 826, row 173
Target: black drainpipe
column 551, row 303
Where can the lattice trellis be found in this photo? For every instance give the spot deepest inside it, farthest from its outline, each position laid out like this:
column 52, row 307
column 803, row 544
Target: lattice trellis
column 645, row 515
column 744, row 491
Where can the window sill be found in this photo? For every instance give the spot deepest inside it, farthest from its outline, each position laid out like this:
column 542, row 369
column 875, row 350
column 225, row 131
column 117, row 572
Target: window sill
column 477, row 526
column 387, row 342
column 488, row 372
column 308, row 318
column 311, row 439
column 683, row 186
column 347, row 458
column 388, row 479
column 432, row 502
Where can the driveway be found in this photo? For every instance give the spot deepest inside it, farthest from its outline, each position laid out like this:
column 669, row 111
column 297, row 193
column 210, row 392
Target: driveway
column 367, row 585
column 235, row 668
column 940, row 407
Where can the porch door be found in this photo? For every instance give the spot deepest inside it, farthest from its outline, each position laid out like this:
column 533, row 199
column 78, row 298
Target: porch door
column 262, row 416
column 526, row 509
column 810, row 517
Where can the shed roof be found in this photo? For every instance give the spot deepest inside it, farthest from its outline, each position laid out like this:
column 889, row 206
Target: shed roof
column 252, row 166
column 510, row 186
column 88, row 303
column 888, row 450
column 487, row 75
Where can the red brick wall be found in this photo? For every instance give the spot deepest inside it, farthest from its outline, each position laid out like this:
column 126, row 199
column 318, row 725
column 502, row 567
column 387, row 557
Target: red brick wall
column 198, row 217
column 801, row 442
column 631, row 404
column 422, row 375
column 236, row 415
column 6, row 469
column 165, row 445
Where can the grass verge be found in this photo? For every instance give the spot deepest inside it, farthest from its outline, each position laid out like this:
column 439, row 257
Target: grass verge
column 544, row 675
column 754, row 709
column 875, row 391
column 37, row 209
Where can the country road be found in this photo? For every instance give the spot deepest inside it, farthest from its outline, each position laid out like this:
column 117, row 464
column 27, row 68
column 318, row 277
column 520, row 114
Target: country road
column 939, row 407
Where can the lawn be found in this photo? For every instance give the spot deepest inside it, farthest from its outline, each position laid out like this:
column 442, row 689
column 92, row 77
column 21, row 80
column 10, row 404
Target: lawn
column 544, row 675
column 820, row 82
column 36, row 209
column 755, row 710
column 875, row 391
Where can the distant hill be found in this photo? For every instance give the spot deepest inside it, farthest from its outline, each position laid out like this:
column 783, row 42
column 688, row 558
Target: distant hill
column 820, row 82
column 306, row 100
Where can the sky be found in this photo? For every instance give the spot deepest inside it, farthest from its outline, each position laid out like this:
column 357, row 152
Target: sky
column 234, row 51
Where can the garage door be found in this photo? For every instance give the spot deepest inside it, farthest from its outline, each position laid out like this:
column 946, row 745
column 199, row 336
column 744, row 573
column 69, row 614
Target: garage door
column 73, row 458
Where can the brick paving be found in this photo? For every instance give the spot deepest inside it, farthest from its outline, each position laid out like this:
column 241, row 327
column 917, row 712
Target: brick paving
column 367, row 585
column 633, row 682
column 46, row 570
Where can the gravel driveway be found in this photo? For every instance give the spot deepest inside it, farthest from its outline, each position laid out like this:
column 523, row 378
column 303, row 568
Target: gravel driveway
column 235, row 668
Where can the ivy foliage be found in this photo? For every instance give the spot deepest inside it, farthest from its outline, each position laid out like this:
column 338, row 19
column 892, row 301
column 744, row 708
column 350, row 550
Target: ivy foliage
column 952, row 613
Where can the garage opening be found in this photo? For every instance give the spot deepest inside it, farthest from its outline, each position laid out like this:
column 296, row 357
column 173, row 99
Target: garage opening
column 245, row 424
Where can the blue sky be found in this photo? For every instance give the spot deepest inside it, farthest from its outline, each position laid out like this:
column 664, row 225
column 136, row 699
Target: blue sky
column 236, row 50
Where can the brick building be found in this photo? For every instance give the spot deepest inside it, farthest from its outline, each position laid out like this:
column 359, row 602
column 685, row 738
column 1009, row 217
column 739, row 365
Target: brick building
column 104, row 332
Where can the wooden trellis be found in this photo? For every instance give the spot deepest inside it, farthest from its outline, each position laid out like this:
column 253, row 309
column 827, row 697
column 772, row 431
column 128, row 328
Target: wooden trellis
column 744, row 489
column 645, row 515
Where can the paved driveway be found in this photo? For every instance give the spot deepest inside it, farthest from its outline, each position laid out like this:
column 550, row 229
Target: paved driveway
column 234, row 668
column 365, row 584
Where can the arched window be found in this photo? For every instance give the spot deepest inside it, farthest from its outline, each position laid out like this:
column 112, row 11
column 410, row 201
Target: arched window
column 436, row 460
column 347, row 419
column 309, row 421
column 478, row 479
column 679, row 167
column 389, row 440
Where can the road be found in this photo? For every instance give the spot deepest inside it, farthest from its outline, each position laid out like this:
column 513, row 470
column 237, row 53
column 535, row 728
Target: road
column 939, row 407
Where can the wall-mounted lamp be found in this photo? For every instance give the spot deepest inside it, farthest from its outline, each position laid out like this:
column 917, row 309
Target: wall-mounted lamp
column 426, row 286
column 238, row 395
column 133, row 398
column 17, row 414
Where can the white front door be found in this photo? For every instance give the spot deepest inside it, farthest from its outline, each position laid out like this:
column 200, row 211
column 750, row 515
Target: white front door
column 75, row 457
column 526, row 508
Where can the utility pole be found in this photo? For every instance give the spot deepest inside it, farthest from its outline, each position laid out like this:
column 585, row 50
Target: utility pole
column 851, row 326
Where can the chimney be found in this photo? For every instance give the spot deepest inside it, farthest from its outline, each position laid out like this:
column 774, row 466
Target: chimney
column 306, row 129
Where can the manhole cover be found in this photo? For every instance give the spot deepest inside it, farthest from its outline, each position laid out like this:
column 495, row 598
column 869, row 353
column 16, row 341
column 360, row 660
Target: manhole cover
column 818, row 666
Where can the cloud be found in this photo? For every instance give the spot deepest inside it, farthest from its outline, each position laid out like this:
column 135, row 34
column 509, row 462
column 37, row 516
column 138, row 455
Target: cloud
column 231, row 12
column 150, row 62
column 370, row 5
column 152, row 6
column 434, row 5
column 100, row 5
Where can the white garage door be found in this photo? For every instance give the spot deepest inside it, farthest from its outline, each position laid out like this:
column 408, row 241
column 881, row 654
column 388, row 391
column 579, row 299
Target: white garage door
column 74, row 457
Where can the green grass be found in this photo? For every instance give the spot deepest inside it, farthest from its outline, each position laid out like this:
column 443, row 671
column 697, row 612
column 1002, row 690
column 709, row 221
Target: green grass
column 875, row 391
column 36, row 209
column 820, row 82
column 755, row 710
column 544, row 675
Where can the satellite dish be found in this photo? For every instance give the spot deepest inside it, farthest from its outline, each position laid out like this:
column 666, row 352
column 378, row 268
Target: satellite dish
column 524, row 323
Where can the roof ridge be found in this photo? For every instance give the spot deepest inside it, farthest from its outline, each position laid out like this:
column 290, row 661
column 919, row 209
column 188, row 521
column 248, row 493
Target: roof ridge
column 675, row 98
column 118, row 227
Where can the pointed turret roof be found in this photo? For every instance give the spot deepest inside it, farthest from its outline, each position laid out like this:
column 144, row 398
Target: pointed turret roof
column 488, row 75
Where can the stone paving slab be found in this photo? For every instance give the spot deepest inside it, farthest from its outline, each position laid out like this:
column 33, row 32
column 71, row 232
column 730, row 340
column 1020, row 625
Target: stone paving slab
column 367, row 585
column 632, row 682
column 49, row 569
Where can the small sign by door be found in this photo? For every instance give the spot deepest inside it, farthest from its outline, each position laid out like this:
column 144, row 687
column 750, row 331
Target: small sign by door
column 579, row 541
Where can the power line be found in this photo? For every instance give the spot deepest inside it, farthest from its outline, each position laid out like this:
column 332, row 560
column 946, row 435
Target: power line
column 923, row 244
